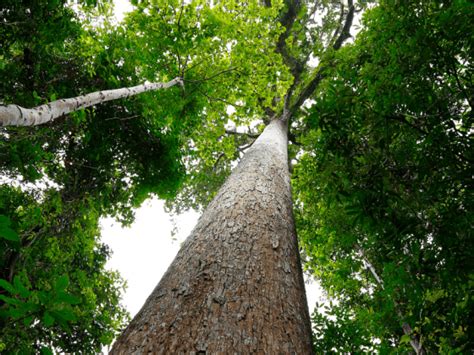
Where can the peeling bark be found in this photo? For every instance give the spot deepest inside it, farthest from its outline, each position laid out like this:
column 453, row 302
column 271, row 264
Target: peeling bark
column 236, row 285
column 14, row 115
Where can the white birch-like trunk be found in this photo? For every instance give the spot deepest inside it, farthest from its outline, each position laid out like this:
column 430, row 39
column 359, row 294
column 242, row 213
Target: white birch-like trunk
column 236, row 285
column 14, row 115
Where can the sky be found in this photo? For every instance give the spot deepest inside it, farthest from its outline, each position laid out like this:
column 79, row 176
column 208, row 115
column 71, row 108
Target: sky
column 143, row 252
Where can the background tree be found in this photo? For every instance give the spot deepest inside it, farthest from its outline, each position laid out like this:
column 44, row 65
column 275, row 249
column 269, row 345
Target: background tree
column 55, row 290
column 384, row 189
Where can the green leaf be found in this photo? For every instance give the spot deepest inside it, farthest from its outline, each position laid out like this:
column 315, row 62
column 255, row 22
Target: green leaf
column 405, row 339
column 64, row 315
column 27, row 321
column 8, row 286
column 9, row 234
column 48, row 319
column 4, row 221
column 9, row 300
column 61, row 283
column 22, row 290
column 68, row 298
column 435, row 295
column 44, row 297
column 46, row 351
column 18, row 312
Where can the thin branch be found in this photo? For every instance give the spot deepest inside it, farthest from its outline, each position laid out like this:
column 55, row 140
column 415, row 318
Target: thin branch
column 460, row 86
column 180, row 14
column 243, row 148
column 292, row 139
column 313, row 11
column 308, row 90
column 194, row 65
column 248, row 134
column 121, row 118
column 340, row 26
column 214, row 167
column 218, row 99
column 346, row 29
column 176, row 53
column 403, row 120
column 212, row 76
column 13, row 23
column 287, row 21
column 313, row 84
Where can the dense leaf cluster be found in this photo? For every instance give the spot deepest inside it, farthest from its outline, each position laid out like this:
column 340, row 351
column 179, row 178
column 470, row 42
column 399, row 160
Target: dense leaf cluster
column 56, row 292
column 386, row 181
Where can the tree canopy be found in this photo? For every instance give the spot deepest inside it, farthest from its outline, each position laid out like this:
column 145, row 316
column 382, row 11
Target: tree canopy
column 386, row 182
column 381, row 155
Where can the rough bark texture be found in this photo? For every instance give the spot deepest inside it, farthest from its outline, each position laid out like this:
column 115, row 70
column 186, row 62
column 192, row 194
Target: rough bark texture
column 236, row 286
column 14, row 115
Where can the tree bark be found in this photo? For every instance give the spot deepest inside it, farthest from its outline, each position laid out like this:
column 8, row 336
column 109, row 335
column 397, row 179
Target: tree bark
column 236, row 285
column 14, row 115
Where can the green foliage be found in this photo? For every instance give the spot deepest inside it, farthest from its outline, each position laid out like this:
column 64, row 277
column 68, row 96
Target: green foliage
column 224, row 54
column 386, row 179
column 56, row 293
column 99, row 161
column 5, row 231
column 382, row 183
column 96, row 150
column 54, row 289
column 337, row 330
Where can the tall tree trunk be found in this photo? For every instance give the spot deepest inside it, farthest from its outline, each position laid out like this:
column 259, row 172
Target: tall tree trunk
column 14, row 115
column 236, row 285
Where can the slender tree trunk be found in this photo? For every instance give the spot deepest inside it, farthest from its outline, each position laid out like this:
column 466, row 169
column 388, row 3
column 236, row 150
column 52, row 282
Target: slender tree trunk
column 14, row 115
column 236, row 285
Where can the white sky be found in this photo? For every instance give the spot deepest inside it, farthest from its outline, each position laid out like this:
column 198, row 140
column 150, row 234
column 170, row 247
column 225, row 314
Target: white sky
column 121, row 7
column 143, row 252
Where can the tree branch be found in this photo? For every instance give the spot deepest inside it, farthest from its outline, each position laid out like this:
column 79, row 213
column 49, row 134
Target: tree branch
column 308, row 90
column 243, row 148
column 221, row 155
column 287, row 21
column 460, row 86
column 402, row 119
column 340, row 26
column 121, row 118
column 249, row 134
column 313, row 84
column 15, row 115
column 212, row 76
column 212, row 98
column 346, row 29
